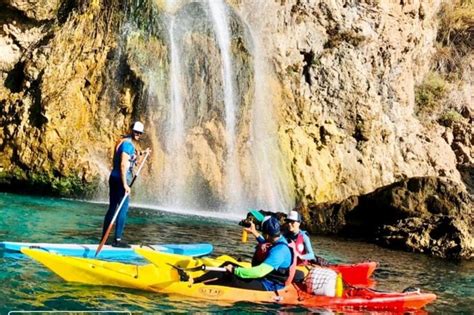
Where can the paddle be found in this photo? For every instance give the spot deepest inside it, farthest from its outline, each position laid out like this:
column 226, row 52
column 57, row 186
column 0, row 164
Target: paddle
column 204, row 268
column 185, row 277
column 117, row 211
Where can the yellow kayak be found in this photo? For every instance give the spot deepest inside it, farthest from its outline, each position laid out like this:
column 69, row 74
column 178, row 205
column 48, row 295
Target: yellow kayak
column 164, row 275
column 99, row 272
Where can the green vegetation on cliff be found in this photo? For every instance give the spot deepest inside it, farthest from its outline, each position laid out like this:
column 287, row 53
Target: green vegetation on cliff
column 19, row 180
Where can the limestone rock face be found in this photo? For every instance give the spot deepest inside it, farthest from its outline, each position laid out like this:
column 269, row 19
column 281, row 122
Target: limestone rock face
column 422, row 214
column 348, row 73
column 38, row 10
column 341, row 77
column 50, row 116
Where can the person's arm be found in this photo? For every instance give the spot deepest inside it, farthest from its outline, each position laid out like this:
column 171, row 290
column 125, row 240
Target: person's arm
column 273, row 261
column 141, row 155
column 124, row 166
column 309, row 249
column 255, row 233
column 253, row 272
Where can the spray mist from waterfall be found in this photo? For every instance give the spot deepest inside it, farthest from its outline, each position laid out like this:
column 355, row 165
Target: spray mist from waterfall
column 219, row 16
column 216, row 143
column 176, row 134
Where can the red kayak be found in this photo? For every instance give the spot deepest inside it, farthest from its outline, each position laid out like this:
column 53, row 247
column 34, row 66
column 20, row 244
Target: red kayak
column 370, row 300
column 355, row 273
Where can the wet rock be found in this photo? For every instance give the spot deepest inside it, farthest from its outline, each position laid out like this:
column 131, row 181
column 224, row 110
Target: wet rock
column 421, row 214
column 36, row 9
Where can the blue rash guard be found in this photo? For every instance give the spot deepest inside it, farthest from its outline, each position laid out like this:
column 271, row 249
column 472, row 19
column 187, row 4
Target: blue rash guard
column 271, row 272
column 125, row 147
column 278, row 257
column 307, row 246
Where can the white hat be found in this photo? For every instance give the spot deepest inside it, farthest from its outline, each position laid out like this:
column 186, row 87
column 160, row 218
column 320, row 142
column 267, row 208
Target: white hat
column 138, row 127
column 294, row 216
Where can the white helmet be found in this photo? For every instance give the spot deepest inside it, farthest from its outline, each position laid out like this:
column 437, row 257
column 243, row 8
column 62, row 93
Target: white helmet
column 138, row 127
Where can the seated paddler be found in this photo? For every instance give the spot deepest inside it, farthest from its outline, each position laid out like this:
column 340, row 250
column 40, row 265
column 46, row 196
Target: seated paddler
column 302, row 243
column 300, row 237
column 269, row 275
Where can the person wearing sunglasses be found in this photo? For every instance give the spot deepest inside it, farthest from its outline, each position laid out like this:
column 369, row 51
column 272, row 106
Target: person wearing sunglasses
column 124, row 160
column 300, row 237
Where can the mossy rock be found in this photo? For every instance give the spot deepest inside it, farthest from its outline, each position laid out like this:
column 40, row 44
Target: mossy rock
column 429, row 94
column 450, row 117
column 20, row 181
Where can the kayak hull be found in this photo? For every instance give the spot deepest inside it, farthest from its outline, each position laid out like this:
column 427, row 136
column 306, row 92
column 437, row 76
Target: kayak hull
column 162, row 276
column 352, row 299
column 109, row 252
column 356, row 273
column 360, row 299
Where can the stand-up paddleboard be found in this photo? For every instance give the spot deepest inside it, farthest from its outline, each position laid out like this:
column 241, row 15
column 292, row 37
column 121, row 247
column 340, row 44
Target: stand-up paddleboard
column 109, row 252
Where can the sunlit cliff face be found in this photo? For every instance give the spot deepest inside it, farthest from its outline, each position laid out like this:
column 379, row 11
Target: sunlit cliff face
column 246, row 103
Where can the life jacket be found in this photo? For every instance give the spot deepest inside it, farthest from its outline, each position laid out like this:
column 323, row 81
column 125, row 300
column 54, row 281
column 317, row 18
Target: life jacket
column 261, row 252
column 300, row 249
column 132, row 160
column 283, row 276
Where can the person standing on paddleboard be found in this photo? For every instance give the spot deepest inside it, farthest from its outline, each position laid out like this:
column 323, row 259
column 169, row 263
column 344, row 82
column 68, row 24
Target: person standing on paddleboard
column 124, row 160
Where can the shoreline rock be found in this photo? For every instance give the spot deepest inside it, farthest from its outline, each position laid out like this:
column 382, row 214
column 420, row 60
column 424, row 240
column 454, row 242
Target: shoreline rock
column 430, row 215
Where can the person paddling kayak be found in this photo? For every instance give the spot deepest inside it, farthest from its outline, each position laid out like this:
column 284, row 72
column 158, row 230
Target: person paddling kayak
column 270, row 275
column 124, row 160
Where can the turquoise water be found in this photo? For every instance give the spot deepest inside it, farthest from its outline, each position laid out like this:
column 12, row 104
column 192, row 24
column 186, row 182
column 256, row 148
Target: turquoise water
column 26, row 285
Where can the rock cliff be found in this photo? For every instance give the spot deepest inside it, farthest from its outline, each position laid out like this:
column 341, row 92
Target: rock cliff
column 420, row 214
column 348, row 79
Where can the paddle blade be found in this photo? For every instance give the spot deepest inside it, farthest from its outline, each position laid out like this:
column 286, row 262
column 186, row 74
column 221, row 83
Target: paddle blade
column 104, row 239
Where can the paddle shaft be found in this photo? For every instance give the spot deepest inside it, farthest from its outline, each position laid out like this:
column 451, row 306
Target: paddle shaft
column 117, row 211
column 202, row 267
column 220, row 269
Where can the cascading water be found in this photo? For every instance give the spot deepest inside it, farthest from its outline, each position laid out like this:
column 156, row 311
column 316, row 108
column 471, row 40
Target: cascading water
column 221, row 26
column 174, row 173
column 271, row 182
column 216, row 145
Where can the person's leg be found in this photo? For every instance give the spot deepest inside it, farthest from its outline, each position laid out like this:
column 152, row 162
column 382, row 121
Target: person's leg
column 231, row 280
column 249, row 284
column 121, row 218
column 215, row 275
column 210, row 277
column 114, row 199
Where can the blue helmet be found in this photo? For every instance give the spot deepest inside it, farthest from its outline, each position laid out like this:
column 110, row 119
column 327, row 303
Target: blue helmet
column 271, row 226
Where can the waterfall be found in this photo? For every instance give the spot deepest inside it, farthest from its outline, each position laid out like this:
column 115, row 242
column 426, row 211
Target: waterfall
column 176, row 134
column 215, row 144
column 219, row 16
column 271, row 181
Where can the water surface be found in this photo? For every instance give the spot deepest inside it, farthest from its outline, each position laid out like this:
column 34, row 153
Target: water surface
column 26, row 285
